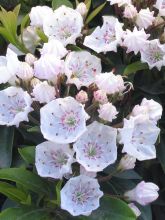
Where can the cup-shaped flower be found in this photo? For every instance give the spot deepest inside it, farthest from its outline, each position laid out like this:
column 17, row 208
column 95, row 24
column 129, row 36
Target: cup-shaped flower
column 139, row 136
column 127, row 162
column 144, row 193
column 144, row 18
column 53, row 160
column 15, row 104
column 96, row 148
column 135, row 40
column 43, row 92
column 107, row 37
column 110, row 83
column 48, row 67
column 38, row 14
column 5, row 75
column 64, row 25
column 107, row 112
column 81, row 195
column 153, row 53
column 63, row 120
column 160, row 5
column 83, row 171
column 81, row 68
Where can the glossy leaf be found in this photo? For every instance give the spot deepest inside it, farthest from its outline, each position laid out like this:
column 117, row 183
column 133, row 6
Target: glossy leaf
column 134, row 67
column 6, row 146
column 57, row 3
column 28, row 154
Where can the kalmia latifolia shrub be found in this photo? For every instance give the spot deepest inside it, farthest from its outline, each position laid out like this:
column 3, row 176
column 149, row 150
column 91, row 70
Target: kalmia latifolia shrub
column 76, row 136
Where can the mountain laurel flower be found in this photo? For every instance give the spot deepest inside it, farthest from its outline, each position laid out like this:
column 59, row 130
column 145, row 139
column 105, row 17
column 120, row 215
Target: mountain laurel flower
column 83, row 171
column 135, row 209
column 96, row 148
column 15, row 105
column 30, row 59
column 63, row 120
column 150, row 108
column 43, row 92
column 139, row 136
column 130, row 11
column 135, row 40
column 107, row 112
column 110, row 83
column 24, row 71
column 53, row 160
column 82, row 97
column 127, row 162
column 100, row 96
column 120, row 2
column 107, row 37
column 160, row 5
column 144, row 18
column 38, row 14
column 81, row 195
column 153, row 53
column 48, row 67
column 55, row 48
column 64, row 25
column 144, row 193
column 82, row 9
column 81, row 68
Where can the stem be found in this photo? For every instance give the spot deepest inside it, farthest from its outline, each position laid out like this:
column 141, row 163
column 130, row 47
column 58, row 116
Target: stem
column 156, row 26
column 116, row 196
column 91, row 107
column 107, row 178
column 33, row 120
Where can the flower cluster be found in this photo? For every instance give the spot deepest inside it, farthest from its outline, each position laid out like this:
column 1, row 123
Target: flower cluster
column 78, row 101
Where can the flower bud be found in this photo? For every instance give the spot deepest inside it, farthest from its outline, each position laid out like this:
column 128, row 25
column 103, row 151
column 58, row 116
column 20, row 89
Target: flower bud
column 107, row 112
column 144, row 193
column 82, row 97
column 130, row 11
column 135, row 209
column 30, row 59
column 25, row 71
column 82, row 9
column 100, row 96
column 127, row 162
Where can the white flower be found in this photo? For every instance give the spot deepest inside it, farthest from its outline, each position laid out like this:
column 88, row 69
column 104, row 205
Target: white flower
column 83, row 171
column 24, row 71
column 153, row 53
column 53, row 160
column 127, row 162
column 81, row 195
column 130, row 11
column 63, row 120
column 107, row 112
column 38, row 14
column 15, row 104
column 55, row 48
column 30, row 59
column 149, row 108
column 110, row 83
column 48, row 67
column 96, row 148
column 135, row 209
column 144, row 193
column 135, row 40
column 160, row 5
column 145, row 18
column 139, row 136
column 107, row 37
column 64, row 25
column 82, row 97
column 43, row 92
column 82, row 8
column 81, row 68
column 120, row 2
column 100, row 96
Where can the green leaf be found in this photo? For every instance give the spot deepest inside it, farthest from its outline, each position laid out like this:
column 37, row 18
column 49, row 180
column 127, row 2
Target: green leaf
column 128, row 174
column 25, row 178
column 25, row 213
column 95, row 12
column 41, row 34
column 74, row 47
column 134, row 67
column 88, row 4
column 12, row 192
column 58, row 189
column 112, row 209
column 25, row 22
column 57, row 3
column 6, row 146
column 28, row 154
column 34, row 129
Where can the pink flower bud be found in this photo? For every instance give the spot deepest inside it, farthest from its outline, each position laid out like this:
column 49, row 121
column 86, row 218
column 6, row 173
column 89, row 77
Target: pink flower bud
column 130, row 11
column 127, row 162
column 144, row 193
column 82, row 9
column 30, row 59
column 107, row 112
column 100, row 96
column 82, row 97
